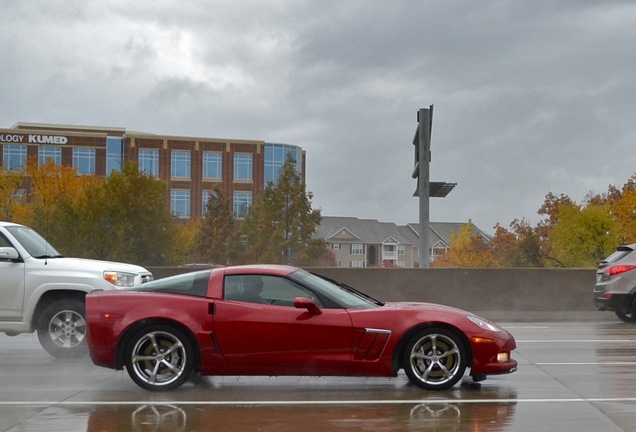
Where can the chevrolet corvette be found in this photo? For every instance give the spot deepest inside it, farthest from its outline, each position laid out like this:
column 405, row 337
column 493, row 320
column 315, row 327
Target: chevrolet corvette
column 279, row 320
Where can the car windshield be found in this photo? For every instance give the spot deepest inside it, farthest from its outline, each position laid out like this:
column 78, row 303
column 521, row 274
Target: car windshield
column 194, row 283
column 33, row 242
column 345, row 296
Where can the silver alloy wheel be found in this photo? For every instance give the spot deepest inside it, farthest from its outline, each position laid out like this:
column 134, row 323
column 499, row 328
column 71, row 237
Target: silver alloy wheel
column 436, row 360
column 159, row 358
column 67, row 328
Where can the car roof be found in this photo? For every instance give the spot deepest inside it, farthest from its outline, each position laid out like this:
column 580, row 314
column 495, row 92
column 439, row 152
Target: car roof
column 273, row 269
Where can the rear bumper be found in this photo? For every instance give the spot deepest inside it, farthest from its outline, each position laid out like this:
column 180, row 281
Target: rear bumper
column 612, row 302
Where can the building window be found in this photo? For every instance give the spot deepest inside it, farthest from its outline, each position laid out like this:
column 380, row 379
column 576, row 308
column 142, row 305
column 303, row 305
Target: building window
column 84, row 160
column 180, row 164
column 242, row 166
column 205, row 198
column 114, row 154
column 212, row 165
column 275, row 156
column 180, row 203
column 357, row 264
column 15, row 157
column 401, row 250
column 335, row 246
column 19, row 195
column 149, row 162
column 53, row 153
column 357, row 249
column 242, row 203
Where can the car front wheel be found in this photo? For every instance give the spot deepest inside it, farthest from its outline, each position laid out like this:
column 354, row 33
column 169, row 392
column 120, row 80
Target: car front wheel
column 61, row 328
column 435, row 359
column 159, row 358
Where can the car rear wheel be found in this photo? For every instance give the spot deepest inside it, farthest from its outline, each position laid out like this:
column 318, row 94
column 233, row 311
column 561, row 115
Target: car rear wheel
column 159, row 358
column 629, row 315
column 435, row 359
column 61, row 328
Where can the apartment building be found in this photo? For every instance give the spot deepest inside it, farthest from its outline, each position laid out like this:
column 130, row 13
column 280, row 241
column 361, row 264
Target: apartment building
column 371, row 243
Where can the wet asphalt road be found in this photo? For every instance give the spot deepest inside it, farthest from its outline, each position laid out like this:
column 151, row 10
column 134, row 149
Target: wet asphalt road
column 572, row 377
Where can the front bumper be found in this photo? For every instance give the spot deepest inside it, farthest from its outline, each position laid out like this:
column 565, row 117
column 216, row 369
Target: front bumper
column 485, row 355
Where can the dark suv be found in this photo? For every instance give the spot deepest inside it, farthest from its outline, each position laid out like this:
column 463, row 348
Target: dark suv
column 615, row 288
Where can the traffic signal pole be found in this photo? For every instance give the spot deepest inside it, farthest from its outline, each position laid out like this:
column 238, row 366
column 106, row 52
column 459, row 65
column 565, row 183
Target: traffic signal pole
column 424, row 127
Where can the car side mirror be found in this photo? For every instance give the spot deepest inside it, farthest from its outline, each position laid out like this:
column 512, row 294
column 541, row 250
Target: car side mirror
column 9, row 253
column 305, row 303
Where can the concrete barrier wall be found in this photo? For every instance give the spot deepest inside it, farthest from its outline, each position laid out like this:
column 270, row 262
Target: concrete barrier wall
column 498, row 294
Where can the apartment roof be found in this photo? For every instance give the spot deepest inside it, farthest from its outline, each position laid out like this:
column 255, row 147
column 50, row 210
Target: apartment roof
column 354, row 230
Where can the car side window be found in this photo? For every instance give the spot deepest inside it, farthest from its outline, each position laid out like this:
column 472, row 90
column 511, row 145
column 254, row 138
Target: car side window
column 4, row 242
column 265, row 289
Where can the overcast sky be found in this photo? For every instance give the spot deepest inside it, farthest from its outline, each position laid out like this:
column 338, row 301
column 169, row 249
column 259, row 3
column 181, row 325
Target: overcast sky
column 529, row 97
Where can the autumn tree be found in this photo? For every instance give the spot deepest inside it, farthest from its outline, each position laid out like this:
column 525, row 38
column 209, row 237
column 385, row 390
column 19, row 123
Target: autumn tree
column 467, row 249
column 183, row 250
column 622, row 207
column 11, row 196
column 518, row 247
column 217, row 241
column 281, row 223
column 56, row 198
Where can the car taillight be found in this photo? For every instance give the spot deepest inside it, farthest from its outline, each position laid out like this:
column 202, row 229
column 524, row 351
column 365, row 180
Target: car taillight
column 615, row 270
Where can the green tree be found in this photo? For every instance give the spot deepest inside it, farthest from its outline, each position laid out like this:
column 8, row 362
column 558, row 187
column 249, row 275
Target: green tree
column 136, row 214
column 281, row 224
column 217, row 240
column 582, row 235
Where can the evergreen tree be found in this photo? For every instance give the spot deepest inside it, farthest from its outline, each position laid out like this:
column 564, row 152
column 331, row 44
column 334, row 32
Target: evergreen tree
column 281, row 224
column 216, row 240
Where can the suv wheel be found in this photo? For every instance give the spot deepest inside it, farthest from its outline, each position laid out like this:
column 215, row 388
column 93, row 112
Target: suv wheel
column 62, row 329
column 628, row 316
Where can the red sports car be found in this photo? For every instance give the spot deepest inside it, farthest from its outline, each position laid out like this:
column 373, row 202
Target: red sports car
column 281, row 320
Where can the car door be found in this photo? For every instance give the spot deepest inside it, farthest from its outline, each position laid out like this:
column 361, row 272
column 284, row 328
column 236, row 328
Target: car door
column 271, row 336
column 12, row 287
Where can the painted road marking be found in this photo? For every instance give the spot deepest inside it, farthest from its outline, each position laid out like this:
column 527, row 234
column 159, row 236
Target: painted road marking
column 318, row 402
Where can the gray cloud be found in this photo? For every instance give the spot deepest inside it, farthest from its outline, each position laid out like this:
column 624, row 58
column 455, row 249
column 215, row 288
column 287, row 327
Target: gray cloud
column 530, row 97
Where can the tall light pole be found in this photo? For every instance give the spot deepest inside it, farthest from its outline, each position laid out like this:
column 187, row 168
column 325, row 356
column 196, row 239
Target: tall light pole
column 425, row 189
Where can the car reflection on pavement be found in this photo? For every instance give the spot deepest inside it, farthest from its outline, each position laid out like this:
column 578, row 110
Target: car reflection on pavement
column 430, row 416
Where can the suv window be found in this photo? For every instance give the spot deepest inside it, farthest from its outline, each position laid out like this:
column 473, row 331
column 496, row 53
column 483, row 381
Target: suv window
column 620, row 253
column 4, row 242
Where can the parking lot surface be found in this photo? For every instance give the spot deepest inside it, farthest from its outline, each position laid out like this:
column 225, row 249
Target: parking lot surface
column 571, row 377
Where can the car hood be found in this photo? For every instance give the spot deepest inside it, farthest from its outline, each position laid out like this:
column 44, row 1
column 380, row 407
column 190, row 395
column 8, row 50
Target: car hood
column 425, row 306
column 89, row 264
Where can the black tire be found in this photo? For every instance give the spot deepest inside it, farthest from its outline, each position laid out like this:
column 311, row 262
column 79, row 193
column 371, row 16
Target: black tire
column 159, row 358
column 628, row 316
column 435, row 359
column 61, row 328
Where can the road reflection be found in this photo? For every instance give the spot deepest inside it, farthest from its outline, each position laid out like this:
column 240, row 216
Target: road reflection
column 430, row 416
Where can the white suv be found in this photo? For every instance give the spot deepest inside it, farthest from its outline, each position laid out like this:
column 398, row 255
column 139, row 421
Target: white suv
column 43, row 291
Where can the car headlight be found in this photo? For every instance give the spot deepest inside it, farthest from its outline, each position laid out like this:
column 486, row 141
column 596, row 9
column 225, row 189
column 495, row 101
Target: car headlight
column 120, row 279
column 486, row 325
